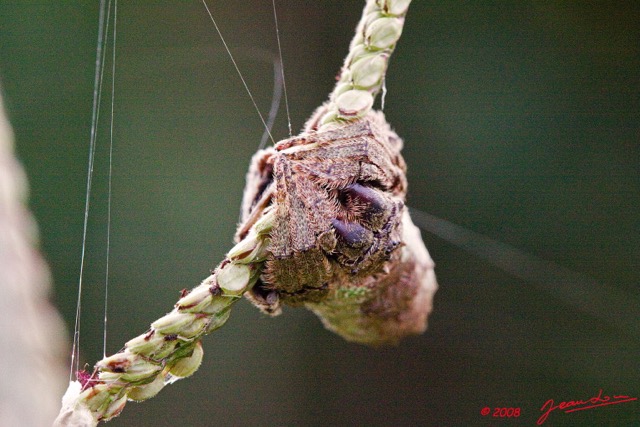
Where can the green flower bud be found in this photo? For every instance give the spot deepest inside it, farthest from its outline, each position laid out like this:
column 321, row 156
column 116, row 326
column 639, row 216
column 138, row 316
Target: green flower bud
column 354, row 103
column 146, row 391
column 262, row 251
column 214, row 302
column 253, row 248
column 233, row 278
column 220, row 303
column 244, row 248
column 383, row 33
column 181, row 325
column 367, row 72
column 185, row 366
column 343, row 86
column 196, row 327
column 146, row 344
column 131, row 367
column 99, row 397
column 330, row 119
column 114, row 408
column 195, row 301
column 110, row 377
column 264, row 225
column 218, row 320
column 173, row 323
column 395, row 7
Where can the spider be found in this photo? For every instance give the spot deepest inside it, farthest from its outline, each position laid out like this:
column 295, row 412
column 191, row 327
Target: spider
column 340, row 241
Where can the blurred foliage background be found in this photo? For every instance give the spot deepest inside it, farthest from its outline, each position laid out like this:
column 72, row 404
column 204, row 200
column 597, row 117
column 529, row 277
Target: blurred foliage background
column 521, row 122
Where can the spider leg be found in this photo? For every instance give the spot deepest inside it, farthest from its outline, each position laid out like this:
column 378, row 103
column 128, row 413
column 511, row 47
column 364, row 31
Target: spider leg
column 301, row 211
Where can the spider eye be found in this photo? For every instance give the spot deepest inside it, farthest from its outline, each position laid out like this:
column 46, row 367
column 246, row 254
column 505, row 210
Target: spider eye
column 352, row 234
column 367, row 204
column 374, row 202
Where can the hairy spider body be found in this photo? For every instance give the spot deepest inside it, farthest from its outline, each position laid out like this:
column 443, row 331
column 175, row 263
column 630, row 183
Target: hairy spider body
column 338, row 197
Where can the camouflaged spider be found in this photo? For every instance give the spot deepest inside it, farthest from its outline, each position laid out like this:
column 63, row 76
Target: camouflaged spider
column 339, row 198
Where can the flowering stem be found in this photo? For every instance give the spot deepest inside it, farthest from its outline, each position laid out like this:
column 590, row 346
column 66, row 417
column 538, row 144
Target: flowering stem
column 170, row 349
column 363, row 73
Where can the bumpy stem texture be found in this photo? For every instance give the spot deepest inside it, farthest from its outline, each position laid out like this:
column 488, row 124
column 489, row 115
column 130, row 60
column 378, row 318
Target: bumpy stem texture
column 171, row 348
column 363, row 73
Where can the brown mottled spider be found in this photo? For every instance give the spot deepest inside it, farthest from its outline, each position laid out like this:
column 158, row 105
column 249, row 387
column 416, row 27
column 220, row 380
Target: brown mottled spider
column 339, row 200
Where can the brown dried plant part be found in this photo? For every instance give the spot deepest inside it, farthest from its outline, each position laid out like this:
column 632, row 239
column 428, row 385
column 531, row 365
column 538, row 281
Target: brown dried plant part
column 342, row 242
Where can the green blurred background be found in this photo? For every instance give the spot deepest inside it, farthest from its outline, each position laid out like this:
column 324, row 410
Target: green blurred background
column 520, row 120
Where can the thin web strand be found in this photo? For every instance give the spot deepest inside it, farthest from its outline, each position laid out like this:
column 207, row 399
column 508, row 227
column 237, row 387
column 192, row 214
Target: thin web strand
column 383, row 95
column 284, row 83
column 103, row 27
column 255, row 105
column 275, row 102
column 595, row 298
column 109, row 191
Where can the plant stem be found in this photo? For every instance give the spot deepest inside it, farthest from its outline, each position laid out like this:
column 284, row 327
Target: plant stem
column 363, row 73
column 170, row 349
